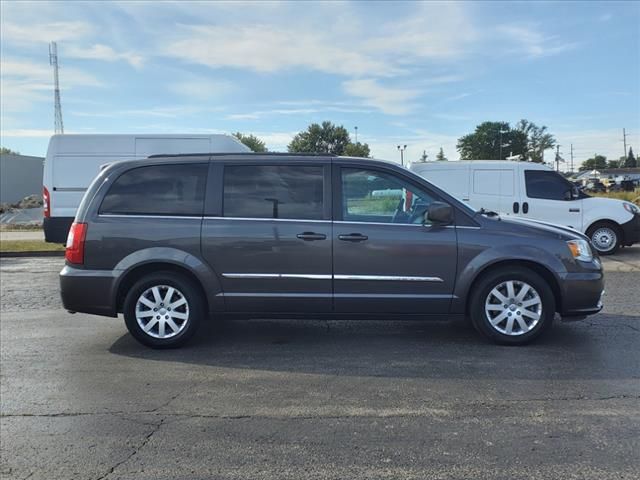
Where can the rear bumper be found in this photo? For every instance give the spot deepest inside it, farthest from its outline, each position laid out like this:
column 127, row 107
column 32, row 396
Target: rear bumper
column 88, row 291
column 56, row 229
column 631, row 230
column 581, row 293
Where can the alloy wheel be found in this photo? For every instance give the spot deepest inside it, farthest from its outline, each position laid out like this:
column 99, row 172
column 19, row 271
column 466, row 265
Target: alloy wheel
column 513, row 307
column 162, row 311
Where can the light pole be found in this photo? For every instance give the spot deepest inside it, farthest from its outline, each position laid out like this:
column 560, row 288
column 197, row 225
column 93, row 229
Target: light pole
column 501, row 132
column 401, row 149
column 356, row 128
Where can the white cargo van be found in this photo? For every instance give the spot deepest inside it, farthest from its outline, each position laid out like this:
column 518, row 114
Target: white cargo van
column 536, row 192
column 74, row 160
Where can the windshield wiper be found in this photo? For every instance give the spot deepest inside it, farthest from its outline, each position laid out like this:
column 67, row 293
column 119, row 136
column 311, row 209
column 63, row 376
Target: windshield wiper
column 488, row 213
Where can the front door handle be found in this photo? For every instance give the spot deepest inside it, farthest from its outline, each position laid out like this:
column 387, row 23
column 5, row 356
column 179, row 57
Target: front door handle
column 574, row 210
column 353, row 237
column 309, row 236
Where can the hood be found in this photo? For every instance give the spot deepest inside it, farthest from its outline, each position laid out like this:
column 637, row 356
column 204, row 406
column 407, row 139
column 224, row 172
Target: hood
column 537, row 226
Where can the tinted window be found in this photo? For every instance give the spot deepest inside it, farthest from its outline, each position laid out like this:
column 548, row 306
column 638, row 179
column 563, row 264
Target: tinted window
column 372, row 196
column 158, row 190
column 544, row 184
column 271, row 191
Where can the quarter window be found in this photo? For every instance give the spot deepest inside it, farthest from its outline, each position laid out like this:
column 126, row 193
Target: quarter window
column 274, row 191
column 372, row 196
column 158, row 190
column 546, row 184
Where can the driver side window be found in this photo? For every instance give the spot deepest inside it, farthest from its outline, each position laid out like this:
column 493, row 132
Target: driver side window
column 373, row 196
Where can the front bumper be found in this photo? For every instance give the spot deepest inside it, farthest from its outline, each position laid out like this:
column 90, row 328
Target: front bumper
column 88, row 291
column 581, row 293
column 631, row 230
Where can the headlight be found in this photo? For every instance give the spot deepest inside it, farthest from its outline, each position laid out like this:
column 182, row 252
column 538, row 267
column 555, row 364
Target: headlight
column 580, row 250
column 631, row 208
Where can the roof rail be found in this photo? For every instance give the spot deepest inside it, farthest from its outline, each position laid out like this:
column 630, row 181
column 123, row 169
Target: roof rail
column 246, row 154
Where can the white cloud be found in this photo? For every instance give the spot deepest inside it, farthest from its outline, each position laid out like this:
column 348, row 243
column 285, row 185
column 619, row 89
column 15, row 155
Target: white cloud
column 44, row 32
column 532, row 42
column 104, row 53
column 390, row 100
column 269, row 48
column 202, row 89
column 316, row 108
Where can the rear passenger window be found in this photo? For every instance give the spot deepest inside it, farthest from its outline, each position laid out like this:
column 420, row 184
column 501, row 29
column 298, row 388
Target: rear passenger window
column 158, row 190
column 273, row 191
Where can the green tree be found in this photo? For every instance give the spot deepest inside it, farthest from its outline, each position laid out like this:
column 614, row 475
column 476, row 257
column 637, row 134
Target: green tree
column 631, row 161
column 440, row 156
column 325, row 138
column 251, row 141
column 485, row 142
column 8, row 151
column 615, row 163
column 537, row 138
column 357, row 150
column 597, row 162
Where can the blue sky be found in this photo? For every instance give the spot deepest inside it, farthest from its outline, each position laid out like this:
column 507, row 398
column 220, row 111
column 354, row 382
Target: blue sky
column 420, row 74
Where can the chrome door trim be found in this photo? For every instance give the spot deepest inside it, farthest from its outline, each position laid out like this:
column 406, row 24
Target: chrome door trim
column 315, row 276
column 135, row 215
column 309, row 276
column 251, row 219
column 388, row 278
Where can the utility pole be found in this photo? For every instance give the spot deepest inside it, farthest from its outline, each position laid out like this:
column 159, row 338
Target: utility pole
column 624, row 140
column 571, row 167
column 53, row 60
column 356, row 128
column 401, row 150
column 558, row 158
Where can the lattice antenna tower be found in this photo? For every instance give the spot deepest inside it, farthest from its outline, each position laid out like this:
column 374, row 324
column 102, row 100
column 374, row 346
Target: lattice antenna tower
column 53, row 60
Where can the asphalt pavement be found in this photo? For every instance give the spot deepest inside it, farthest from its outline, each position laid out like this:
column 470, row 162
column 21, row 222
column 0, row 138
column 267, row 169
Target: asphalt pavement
column 80, row 399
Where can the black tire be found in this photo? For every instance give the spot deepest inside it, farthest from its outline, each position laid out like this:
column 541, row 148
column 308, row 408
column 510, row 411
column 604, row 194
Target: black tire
column 194, row 309
column 484, row 286
column 604, row 230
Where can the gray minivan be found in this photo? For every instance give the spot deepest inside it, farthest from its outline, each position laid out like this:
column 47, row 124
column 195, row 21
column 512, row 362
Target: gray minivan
column 173, row 240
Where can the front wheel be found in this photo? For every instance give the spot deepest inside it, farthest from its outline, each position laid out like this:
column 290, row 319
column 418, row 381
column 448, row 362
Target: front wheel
column 605, row 237
column 163, row 310
column 512, row 306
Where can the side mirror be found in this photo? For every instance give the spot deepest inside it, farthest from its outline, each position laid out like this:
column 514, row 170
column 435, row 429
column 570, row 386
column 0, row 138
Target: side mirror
column 572, row 194
column 439, row 213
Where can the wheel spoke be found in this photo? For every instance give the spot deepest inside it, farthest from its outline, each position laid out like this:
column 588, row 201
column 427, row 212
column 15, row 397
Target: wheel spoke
column 499, row 318
column 145, row 313
column 172, row 325
column 150, row 325
column 509, row 327
column 530, row 302
column 168, row 295
column 180, row 315
column 530, row 314
column 161, row 324
column 523, row 292
column 145, row 301
column 496, row 293
column 179, row 302
column 495, row 306
column 156, row 294
column 523, row 325
column 510, row 290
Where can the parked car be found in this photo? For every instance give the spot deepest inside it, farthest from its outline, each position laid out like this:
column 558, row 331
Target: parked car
column 74, row 160
column 173, row 240
column 535, row 191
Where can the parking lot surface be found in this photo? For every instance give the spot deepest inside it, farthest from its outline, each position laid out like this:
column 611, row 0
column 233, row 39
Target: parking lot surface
column 314, row 399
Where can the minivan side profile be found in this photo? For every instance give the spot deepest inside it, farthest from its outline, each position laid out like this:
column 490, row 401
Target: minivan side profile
column 171, row 241
column 537, row 192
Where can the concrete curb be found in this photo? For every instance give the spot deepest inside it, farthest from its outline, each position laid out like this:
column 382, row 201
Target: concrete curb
column 31, row 254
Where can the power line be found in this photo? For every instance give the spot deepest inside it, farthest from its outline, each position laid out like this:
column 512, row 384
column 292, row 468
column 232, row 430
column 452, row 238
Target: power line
column 53, row 60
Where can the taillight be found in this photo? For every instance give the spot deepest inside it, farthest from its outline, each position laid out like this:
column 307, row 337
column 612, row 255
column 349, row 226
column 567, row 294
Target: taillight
column 75, row 243
column 46, row 202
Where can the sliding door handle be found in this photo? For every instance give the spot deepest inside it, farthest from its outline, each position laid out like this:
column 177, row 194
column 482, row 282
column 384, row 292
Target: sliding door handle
column 309, row 236
column 353, row 237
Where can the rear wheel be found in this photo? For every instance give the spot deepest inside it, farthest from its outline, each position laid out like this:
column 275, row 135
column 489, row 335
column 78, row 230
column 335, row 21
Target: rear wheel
column 512, row 306
column 163, row 309
column 605, row 237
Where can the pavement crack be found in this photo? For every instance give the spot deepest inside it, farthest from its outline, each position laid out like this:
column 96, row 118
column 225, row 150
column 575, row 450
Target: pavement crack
column 135, row 451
